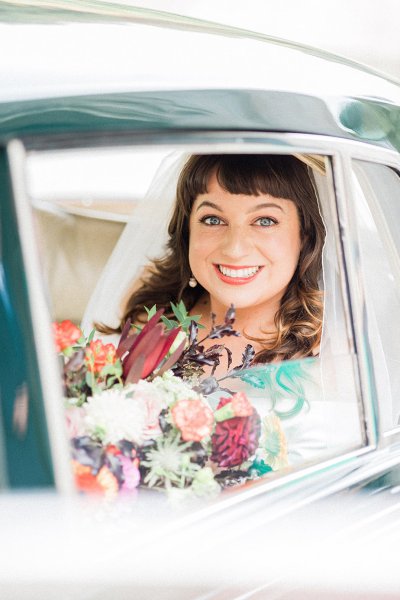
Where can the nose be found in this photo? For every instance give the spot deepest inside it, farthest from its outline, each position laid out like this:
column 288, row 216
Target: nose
column 236, row 243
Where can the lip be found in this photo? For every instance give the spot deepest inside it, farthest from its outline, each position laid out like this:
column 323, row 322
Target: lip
column 236, row 280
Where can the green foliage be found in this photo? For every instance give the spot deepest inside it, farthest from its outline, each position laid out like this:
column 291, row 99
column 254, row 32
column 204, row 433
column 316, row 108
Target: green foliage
column 183, row 319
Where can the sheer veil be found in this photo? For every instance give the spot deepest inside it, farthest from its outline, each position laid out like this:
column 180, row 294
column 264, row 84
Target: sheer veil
column 142, row 239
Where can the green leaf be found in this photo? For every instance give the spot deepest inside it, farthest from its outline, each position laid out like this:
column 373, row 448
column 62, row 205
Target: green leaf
column 91, row 336
column 178, row 312
column 90, row 380
column 150, row 312
column 169, row 323
column 108, row 370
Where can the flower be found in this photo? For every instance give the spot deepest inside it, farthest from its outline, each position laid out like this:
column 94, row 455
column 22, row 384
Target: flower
column 152, row 403
column 236, row 439
column 130, row 472
column 112, row 416
column 85, row 480
column 142, row 353
column 241, row 405
column 98, row 355
column 204, row 484
column 107, row 481
column 237, row 406
column 66, row 334
column 181, row 337
column 169, row 463
column 173, row 388
column 74, row 420
column 273, row 442
column 194, row 419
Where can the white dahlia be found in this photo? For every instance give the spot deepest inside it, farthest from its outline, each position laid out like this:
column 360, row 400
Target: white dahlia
column 112, row 416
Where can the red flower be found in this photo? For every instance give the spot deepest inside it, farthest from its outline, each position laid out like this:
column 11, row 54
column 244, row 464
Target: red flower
column 236, row 439
column 98, row 355
column 194, row 419
column 65, row 334
column 143, row 352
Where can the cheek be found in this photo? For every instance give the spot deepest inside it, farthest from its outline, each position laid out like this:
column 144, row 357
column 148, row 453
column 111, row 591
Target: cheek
column 285, row 250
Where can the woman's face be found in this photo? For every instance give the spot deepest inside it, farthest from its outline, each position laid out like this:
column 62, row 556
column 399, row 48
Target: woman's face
column 243, row 249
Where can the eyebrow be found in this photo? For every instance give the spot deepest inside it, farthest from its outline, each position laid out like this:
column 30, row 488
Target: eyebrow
column 258, row 207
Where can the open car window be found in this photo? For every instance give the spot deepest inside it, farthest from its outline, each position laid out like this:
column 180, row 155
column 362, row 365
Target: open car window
column 305, row 410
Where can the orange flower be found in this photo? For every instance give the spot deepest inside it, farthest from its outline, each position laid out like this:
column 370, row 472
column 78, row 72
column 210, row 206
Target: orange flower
column 98, row 355
column 107, row 481
column 65, row 334
column 194, row 419
column 103, row 482
column 85, row 481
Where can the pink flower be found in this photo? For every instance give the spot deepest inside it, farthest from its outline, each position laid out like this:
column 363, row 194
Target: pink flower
column 241, row 405
column 130, row 469
column 66, row 334
column 74, row 420
column 194, row 419
column 98, row 355
column 152, row 404
column 237, row 406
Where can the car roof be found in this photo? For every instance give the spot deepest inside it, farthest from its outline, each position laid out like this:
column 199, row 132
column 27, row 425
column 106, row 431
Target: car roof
column 116, row 66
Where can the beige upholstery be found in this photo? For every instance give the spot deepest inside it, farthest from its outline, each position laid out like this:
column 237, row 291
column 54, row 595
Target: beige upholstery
column 74, row 250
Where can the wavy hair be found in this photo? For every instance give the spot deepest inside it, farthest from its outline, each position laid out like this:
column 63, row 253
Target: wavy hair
column 298, row 320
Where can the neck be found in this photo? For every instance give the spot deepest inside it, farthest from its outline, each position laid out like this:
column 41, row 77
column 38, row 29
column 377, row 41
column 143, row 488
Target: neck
column 254, row 321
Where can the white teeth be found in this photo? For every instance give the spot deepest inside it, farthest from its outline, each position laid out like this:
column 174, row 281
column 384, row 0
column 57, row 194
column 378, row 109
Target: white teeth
column 242, row 273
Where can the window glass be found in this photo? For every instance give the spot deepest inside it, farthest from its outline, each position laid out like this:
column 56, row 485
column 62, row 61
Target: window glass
column 101, row 216
column 377, row 189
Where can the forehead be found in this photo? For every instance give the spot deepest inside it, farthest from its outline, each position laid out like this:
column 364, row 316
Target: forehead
column 217, row 197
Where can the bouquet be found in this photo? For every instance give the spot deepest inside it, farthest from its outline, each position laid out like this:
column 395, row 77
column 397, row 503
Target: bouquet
column 140, row 414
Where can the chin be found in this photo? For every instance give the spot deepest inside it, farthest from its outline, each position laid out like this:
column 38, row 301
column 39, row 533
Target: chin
column 240, row 301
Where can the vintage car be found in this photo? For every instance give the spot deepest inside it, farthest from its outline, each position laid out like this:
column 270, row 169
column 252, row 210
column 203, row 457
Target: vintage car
column 80, row 151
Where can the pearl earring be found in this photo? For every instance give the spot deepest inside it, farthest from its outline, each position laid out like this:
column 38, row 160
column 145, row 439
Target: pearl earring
column 192, row 282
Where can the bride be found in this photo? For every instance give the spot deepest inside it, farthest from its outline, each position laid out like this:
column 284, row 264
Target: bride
column 246, row 230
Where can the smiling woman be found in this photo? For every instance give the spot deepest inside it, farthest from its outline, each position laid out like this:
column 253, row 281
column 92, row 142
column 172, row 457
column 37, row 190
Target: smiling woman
column 246, row 230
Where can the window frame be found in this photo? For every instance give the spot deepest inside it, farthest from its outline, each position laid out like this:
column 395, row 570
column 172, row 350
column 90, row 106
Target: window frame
column 384, row 231
column 339, row 151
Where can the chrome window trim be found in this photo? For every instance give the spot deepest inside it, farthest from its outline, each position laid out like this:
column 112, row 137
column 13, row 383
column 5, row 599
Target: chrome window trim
column 47, row 361
column 341, row 152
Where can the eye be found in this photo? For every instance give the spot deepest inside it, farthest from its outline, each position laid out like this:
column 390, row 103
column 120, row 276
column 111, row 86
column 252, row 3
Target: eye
column 211, row 220
column 265, row 222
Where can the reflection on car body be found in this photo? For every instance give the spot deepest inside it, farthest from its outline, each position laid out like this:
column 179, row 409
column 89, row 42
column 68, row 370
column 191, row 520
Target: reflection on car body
column 59, row 246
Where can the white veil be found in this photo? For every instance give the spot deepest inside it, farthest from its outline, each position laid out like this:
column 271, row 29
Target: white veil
column 143, row 238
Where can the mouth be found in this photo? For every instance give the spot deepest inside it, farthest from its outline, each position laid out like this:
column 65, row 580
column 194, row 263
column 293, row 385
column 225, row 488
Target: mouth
column 237, row 275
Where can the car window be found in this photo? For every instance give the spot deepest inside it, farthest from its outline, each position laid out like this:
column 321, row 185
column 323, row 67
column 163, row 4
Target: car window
column 309, row 409
column 377, row 189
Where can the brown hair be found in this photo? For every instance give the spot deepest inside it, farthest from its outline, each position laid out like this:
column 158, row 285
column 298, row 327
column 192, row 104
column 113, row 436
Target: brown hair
column 299, row 319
